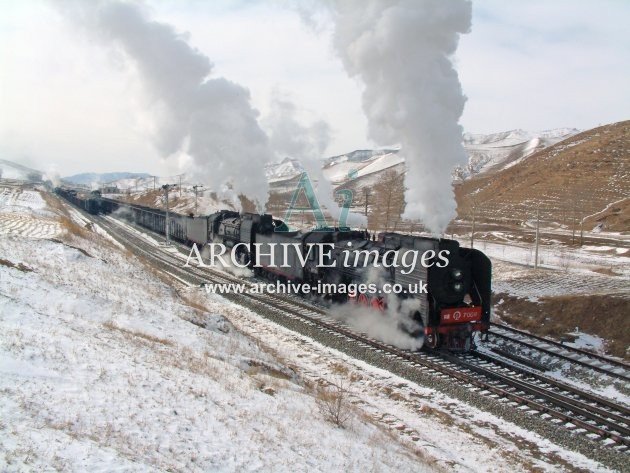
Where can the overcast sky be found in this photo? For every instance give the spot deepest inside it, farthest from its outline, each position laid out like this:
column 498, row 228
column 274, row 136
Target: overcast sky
column 72, row 104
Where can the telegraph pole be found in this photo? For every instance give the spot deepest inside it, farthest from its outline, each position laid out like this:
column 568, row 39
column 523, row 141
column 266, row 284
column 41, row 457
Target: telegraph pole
column 195, row 189
column 154, row 177
column 573, row 226
column 367, row 194
column 581, row 229
column 180, row 186
column 472, row 233
column 166, row 188
column 537, row 235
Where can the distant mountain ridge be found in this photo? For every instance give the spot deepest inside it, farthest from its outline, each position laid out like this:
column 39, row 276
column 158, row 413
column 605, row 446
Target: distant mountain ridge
column 88, row 178
column 487, row 153
column 497, row 151
column 586, row 176
column 358, row 155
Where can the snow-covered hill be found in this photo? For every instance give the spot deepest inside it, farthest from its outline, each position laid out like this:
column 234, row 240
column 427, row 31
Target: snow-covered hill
column 336, row 169
column 498, row 151
column 486, row 153
column 90, row 178
column 491, row 152
column 15, row 171
column 286, row 169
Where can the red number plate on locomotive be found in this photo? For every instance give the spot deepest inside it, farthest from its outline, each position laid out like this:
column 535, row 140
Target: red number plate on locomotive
column 460, row 315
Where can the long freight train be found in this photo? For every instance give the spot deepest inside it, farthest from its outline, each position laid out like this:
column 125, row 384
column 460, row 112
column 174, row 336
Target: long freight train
column 456, row 301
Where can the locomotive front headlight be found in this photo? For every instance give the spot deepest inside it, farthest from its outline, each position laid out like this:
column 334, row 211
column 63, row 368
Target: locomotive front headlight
column 457, row 274
column 458, row 286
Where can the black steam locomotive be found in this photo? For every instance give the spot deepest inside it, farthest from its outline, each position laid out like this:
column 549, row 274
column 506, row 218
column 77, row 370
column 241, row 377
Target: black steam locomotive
column 445, row 294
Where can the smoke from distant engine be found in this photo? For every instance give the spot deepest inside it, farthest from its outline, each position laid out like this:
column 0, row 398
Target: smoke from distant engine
column 207, row 118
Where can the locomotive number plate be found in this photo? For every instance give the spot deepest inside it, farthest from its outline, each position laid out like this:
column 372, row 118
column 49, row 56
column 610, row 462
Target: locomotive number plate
column 460, row 315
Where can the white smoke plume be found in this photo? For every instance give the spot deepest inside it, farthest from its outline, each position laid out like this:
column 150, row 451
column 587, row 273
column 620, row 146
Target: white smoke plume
column 208, row 118
column 289, row 137
column 401, row 50
column 307, row 143
column 393, row 325
column 228, row 267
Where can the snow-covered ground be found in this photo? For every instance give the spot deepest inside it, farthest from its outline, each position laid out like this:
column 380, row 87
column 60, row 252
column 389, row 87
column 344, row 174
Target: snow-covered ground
column 102, row 370
column 562, row 269
column 527, row 283
column 24, row 213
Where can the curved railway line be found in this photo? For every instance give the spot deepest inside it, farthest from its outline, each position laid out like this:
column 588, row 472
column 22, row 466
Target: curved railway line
column 598, row 418
column 613, row 368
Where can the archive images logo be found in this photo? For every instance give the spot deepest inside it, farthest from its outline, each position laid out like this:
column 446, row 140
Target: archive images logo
column 305, row 187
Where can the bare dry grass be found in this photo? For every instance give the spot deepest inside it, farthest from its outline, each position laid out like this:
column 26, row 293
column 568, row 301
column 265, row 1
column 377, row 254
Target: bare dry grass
column 601, row 315
column 615, row 218
column 334, row 403
column 70, row 227
column 19, row 266
column 606, row 271
column 110, row 325
column 582, row 175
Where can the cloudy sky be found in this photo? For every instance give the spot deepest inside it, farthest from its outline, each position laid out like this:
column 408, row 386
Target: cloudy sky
column 71, row 103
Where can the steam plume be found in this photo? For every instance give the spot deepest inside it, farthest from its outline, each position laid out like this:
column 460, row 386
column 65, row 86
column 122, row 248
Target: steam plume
column 393, row 325
column 401, row 50
column 289, row 137
column 209, row 118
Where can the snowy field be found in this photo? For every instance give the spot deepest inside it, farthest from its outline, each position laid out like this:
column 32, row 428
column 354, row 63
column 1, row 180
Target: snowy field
column 561, row 270
column 101, row 369
column 24, row 214
column 586, row 260
column 527, row 283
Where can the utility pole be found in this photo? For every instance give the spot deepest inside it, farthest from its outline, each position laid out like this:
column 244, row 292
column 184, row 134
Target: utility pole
column 472, row 233
column 537, row 235
column 166, row 188
column 581, row 229
column 154, row 178
column 195, row 189
column 574, row 223
column 367, row 194
column 180, row 186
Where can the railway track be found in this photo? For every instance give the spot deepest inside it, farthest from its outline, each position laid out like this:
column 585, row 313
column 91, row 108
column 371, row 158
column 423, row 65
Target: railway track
column 580, row 412
column 585, row 410
column 601, row 364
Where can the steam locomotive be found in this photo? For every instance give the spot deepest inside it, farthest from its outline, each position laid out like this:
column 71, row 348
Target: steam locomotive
column 454, row 304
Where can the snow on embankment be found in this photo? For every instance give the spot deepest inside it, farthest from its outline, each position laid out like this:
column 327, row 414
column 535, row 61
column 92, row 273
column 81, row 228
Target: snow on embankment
column 99, row 370
column 23, row 213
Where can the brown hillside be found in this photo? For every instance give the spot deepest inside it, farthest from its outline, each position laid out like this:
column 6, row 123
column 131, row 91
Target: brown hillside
column 581, row 176
column 616, row 217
